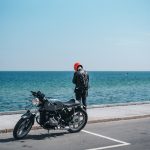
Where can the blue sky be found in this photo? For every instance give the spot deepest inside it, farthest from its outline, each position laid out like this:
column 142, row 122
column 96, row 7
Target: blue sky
column 103, row 35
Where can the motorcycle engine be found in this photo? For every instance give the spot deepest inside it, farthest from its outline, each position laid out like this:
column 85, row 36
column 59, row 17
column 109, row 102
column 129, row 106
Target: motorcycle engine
column 51, row 123
column 46, row 120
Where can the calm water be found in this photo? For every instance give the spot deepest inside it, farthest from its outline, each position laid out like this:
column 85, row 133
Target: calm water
column 105, row 87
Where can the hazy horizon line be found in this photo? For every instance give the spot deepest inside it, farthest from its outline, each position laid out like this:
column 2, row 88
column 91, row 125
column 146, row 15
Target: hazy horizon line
column 73, row 70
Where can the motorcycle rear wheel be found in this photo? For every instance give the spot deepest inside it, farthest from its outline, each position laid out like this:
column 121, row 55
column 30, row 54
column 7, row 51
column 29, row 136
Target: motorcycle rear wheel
column 78, row 121
column 22, row 128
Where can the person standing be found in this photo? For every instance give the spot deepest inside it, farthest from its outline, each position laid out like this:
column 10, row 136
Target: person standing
column 81, row 81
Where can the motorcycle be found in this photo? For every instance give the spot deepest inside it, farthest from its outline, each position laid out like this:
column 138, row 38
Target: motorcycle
column 50, row 114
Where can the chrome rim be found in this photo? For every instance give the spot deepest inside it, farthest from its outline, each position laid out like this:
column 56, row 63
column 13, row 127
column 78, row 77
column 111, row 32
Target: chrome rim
column 77, row 121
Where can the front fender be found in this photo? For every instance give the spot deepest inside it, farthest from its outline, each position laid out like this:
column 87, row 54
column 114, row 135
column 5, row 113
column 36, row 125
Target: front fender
column 28, row 115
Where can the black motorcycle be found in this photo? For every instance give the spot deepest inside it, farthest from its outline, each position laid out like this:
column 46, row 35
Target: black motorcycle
column 50, row 114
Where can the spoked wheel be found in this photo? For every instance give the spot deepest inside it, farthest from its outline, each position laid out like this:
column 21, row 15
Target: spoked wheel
column 22, row 128
column 78, row 121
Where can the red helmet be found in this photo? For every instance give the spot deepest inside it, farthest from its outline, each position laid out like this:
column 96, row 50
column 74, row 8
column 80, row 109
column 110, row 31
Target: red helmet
column 76, row 65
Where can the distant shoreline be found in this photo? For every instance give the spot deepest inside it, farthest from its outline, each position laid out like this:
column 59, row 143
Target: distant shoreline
column 73, row 71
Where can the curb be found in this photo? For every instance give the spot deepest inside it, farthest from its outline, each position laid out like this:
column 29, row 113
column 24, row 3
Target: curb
column 89, row 122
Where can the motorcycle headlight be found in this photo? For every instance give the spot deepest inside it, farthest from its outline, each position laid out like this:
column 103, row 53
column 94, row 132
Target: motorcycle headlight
column 36, row 101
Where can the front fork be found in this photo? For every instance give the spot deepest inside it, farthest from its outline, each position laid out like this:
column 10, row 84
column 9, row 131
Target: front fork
column 29, row 115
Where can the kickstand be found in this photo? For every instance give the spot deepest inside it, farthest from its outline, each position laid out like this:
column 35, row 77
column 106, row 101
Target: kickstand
column 48, row 134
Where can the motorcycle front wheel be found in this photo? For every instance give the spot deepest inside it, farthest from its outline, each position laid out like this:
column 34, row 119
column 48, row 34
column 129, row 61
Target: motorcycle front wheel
column 22, row 128
column 78, row 122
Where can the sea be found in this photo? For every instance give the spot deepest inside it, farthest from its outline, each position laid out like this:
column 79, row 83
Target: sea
column 106, row 87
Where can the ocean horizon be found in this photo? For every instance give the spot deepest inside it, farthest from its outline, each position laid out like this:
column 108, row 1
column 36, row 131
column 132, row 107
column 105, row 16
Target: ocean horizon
column 106, row 87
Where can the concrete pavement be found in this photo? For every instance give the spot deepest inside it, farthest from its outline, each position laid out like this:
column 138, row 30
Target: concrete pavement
column 99, row 113
column 116, row 135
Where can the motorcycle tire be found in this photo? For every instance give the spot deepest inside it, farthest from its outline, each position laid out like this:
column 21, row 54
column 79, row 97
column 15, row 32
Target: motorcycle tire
column 77, row 124
column 22, row 128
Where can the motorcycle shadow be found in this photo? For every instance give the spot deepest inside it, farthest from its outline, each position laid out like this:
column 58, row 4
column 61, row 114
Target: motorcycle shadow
column 36, row 137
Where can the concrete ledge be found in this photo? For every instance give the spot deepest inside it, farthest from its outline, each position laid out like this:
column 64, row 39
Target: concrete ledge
column 118, row 104
column 12, row 112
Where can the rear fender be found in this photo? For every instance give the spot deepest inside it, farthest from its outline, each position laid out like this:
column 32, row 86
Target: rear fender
column 79, row 107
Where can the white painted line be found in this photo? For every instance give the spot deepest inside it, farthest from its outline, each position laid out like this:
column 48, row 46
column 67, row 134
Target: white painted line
column 108, row 138
column 107, row 147
column 105, row 137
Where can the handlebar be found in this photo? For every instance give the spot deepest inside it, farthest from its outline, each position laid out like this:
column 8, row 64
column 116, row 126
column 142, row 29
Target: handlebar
column 34, row 93
column 38, row 95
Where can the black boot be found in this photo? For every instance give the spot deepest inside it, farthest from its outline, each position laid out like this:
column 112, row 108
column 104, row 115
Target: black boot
column 84, row 107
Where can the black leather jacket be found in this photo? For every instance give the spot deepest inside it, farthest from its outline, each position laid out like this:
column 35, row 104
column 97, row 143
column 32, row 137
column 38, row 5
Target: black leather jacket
column 76, row 80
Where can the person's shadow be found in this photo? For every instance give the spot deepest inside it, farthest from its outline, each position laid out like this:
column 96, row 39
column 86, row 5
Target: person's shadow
column 35, row 137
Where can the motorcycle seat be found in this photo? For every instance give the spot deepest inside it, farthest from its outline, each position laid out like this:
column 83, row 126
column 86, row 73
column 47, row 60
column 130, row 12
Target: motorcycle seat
column 71, row 103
